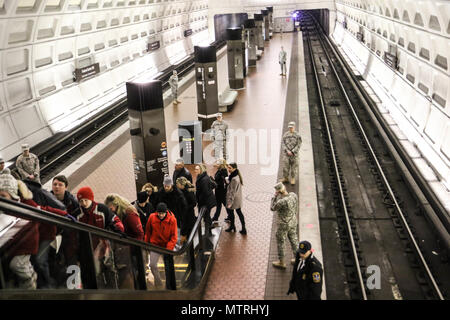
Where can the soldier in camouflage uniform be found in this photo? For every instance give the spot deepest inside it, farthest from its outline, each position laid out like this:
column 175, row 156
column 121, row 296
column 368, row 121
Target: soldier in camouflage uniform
column 173, row 81
column 286, row 205
column 291, row 147
column 220, row 135
column 28, row 165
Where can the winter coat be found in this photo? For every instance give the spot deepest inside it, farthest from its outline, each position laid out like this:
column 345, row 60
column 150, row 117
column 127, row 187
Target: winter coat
column 175, row 201
column 26, row 241
column 221, row 189
column 144, row 212
column 162, row 233
column 71, row 204
column 234, row 193
column 183, row 172
column 132, row 224
column 47, row 202
column 188, row 224
column 100, row 216
column 205, row 195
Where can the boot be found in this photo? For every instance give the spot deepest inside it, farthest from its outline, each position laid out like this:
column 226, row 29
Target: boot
column 292, row 181
column 231, row 229
column 279, row 264
column 175, row 102
column 178, row 101
column 243, row 231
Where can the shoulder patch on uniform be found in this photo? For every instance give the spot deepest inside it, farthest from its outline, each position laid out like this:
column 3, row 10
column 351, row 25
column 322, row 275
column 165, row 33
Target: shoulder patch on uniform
column 316, row 277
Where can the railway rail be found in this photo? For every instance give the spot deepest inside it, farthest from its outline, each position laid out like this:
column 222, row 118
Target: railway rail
column 371, row 202
column 62, row 149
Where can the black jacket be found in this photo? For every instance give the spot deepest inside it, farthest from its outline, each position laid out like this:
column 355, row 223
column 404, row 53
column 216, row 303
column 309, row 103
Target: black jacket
column 221, row 189
column 307, row 282
column 205, row 195
column 183, row 172
column 71, row 203
column 189, row 195
column 144, row 212
column 175, row 202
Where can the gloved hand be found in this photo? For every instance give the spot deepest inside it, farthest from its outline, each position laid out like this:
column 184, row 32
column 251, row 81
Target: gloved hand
column 71, row 218
column 291, row 288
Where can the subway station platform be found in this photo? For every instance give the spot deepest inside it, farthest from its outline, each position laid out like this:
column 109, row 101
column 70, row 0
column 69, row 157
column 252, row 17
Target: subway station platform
column 243, row 264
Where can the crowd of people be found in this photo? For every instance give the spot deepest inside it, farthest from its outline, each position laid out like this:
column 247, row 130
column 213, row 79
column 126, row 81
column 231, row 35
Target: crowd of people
column 163, row 217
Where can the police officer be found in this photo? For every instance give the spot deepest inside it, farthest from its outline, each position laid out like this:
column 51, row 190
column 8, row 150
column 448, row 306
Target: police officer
column 173, row 81
column 220, row 134
column 291, row 147
column 28, row 165
column 282, row 57
column 286, row 205
column 307, row 274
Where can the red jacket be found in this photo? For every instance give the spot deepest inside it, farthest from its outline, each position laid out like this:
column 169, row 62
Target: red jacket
column 132, row 224
column 162, row 233
column 100, row 216
column 48, row 231
column 27, row 241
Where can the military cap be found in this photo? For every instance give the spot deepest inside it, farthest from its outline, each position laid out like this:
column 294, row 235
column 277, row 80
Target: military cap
column 2, row 160
column 25, row 146
column 304, row 246
column 219, row 114
column 279, row 186
column 291, row 124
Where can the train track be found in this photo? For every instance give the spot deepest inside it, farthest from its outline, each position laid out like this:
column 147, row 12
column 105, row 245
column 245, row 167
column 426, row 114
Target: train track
column 377, row 223
column 62, row 149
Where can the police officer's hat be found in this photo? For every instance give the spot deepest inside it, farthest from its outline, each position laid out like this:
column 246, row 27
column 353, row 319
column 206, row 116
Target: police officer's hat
column 304, row 246
column 291, row 124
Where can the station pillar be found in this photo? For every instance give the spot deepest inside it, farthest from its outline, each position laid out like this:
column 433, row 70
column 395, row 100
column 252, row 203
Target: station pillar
column 206, row 84
column 148, row 132
column 259, row 20
column 235, row 62
column 270, row 9
column 250, row 27
column 266, row 23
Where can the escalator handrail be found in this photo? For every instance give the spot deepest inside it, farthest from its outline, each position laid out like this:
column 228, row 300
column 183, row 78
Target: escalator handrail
column 31, row 213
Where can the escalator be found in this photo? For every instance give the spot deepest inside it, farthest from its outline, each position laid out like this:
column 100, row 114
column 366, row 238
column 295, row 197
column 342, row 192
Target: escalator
column 92, row 263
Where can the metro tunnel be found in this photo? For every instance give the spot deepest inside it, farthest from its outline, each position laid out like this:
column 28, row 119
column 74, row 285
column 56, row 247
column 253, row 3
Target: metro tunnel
column 132, row 131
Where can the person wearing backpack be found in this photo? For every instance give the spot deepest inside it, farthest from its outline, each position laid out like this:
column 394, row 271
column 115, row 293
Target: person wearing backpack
column 205, row 196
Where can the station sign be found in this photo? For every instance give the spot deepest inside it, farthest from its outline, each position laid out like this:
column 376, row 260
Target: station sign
column 86, row 72
column 390, row 60
column 152, row 46
column 187, row 32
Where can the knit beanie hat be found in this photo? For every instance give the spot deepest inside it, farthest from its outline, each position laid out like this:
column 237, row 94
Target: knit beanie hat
column 161, row 207
column 142, row 196
column 168, row 181
column 85, row 193
column 9, row 184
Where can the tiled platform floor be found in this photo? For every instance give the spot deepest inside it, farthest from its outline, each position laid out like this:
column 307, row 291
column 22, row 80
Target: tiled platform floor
column 240, row 268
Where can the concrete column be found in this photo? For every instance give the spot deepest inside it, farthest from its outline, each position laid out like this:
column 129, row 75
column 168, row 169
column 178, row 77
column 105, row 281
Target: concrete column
column 206, row 83
column 270, row 9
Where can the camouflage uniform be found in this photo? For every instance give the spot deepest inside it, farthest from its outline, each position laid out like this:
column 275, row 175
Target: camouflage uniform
column 173, row 81
column 28, row 165
column 291, row 142
column 220, row 135
column 286, row 206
